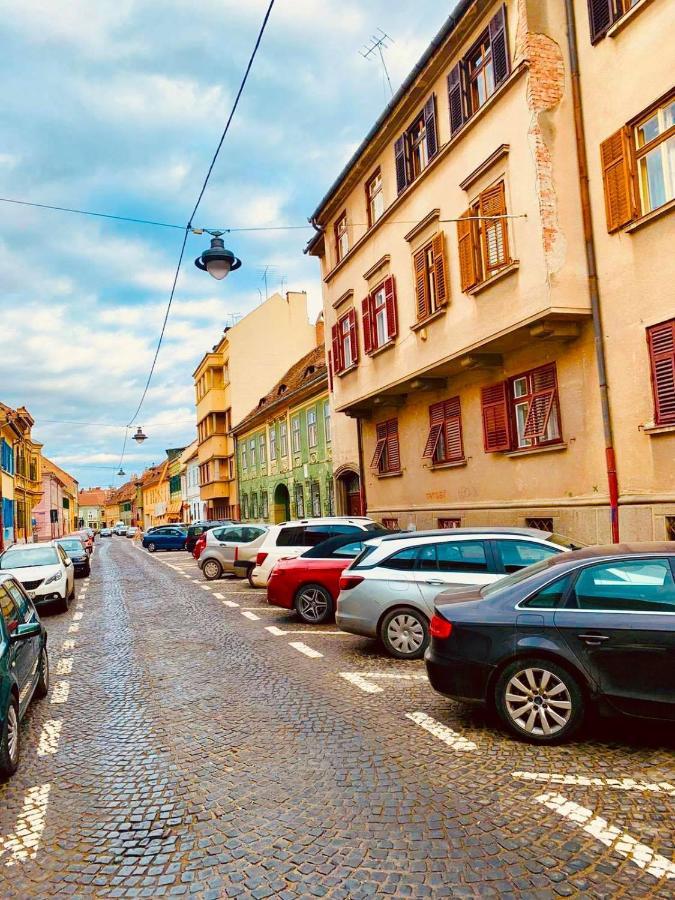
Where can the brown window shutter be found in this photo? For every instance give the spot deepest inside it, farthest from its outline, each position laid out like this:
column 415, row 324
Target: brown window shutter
column 421, row 285
column 440, row 270
column 494, row 406
column 616, row 157
column 338, row 361
column 393, row 450
column 601, row 16
column 430, row 126
column 353, row 335
column 330, row 371
column 401, row 164
column 392, row 312
column 454, row 443
column 379, row 450
column 367, row 322
column 500, row 46
column 661, row 341
column 467, row 251
column 432, row 441
column 455, row 98
column 494, row 232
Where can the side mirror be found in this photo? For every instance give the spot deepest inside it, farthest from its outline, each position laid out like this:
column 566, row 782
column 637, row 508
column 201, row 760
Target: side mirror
column 27, row 630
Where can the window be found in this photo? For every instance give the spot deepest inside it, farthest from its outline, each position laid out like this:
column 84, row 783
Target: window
column 483, row 239
column 516, row 555
column 345, row 342
column 330, row 494
column 312, row 436
column 244, row 506
column 603, row 14
column 10, row 611
column 262, row 450
column 638, row 165
column 403, row 561
column 380, row 325
column 374, row 198
column 417, row 146
column 543, row 524
column 273, row 443
column 244, row 456
column 326, row 420
column 6, row 457
column 299, row 501
column 625, row 586
column 295, row 434
column 264, row 505
column 461, row 556
column 522, row 412
column 449, row 523
column 387, row 456
column 254, row 505
column 444, row 443
column 432, row 291
column 293, row 536
column 670, row 528
column 550, row 596
column 315, row 498
column 251, row 448
column 476, row 77
column 348, row 551
column 283, row 437
column 390, row 523
column 341, row 237
column 661, row 343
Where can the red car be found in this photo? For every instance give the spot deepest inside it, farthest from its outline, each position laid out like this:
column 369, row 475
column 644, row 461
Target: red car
column 200, row 543
column 310, row 583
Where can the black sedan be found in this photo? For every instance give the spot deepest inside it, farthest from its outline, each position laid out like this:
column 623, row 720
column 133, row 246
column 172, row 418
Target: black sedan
column 76, row 551
column 595, row 626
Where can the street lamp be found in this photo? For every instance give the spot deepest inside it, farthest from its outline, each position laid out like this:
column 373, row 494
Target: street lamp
column 217, row 260
column 139, row 437
column 121, row 471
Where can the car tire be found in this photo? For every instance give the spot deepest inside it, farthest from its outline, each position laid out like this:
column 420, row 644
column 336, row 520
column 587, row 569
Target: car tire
column 212, row 570
column 151, row 548
column 42, row 687
column 71, row 595
column 87, row 572
column 10, row 739
column 63, row 604
column 313, row 604
column 404, row 632
column 553, row 718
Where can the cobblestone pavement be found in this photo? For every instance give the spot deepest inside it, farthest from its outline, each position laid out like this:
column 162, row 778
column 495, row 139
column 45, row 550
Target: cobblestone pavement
column 197, row 742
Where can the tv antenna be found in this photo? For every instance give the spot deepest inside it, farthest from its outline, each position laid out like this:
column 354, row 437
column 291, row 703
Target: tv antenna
column 378, row 44
column 263, row 272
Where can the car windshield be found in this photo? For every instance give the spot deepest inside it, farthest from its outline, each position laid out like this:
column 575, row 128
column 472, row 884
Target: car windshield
column 72, row 545
column 23, row 559
column 517, row 577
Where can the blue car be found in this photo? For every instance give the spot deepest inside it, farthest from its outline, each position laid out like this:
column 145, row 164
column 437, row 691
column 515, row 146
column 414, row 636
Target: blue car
column 166, row 537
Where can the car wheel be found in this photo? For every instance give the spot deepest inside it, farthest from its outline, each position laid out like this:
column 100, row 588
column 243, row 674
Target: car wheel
column 42, row 686
column 539, row 700
column 87, row 572
column 63, row 604
column 405, row 633
column 314, row 604
column 71, row 595
column 151, row 548
column 212, row 569
column 10, row 739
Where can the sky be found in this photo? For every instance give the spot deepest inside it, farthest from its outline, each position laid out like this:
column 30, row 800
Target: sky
column 117, row 106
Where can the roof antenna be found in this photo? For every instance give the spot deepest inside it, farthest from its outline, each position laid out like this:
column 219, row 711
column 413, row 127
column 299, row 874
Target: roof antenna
column 378, row 43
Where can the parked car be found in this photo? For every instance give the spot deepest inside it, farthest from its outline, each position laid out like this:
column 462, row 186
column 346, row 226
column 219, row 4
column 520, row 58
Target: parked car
column 120, row 530
column 44, row 571
column 290, row 539
column 595, row 627
column 106, row 532
column 195, row 529
column 76, row 551
column 132, row 531
column 231, row 549
column 310, row 583
column 389, row 591
column 90, row 532
column 165, row 537
column 24, row 667
column 86, row 539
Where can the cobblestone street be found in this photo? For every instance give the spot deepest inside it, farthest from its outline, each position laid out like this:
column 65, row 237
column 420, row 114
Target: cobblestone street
column 197, row 742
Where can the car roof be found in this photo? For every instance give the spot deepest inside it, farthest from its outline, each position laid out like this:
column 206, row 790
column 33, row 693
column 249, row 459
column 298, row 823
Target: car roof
column 35, row 546
column 459, row 532
column 329, row 520
column 331, row 544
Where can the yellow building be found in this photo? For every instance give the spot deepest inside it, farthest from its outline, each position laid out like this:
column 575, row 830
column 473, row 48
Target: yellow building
column 155, row 491
column 462, row 308
column 21, row 473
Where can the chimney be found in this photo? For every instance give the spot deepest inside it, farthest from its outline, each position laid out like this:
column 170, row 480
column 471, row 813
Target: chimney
column 320, row 336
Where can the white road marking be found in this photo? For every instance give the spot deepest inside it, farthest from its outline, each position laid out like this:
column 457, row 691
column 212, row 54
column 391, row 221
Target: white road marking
column 303, row 648
column 609, row 835
column 185, row 575
column 368, row 686
column 49, row 737
column 320, row 631
column 23, row 843
column 219, row 596
column 64, row 666
column 452, row 738
column 206, row 587
column 68, row 646
column 364, row 680
column 250, row 615
column 274, row 630
column 622, row 784
column 77, row 616
column 230, row 603
column 72, row 629
column 60, row 692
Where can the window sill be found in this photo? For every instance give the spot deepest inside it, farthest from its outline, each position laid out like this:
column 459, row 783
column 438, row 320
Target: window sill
column 650, row 216
column 432, row 318
column 513, row 266
column 456, row 464
column 381, row 349
column 534, row 451
column 655, row 430
column 627, row 18
column 347, row 370
column 397, row 474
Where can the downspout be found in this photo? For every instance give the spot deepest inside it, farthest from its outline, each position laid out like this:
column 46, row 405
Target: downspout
column 591, row 269
column 362, row 471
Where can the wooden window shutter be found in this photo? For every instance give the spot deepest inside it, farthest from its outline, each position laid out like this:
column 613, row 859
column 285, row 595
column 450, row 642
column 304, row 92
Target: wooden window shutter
column 455, row 98
column 454, row 444
column 616, row 155
column 468, row 272
column 601, row 16
column 494, row 406
column 501, row 64
column 440, row 270
column 494, row 233
column 353, row 335
column 435, row 429
column 430, row 126
column 381, row 432
column 390, row 303
column 661, row 340
column 367, row 321
column 330, row 371
column 338, row 361
column 421, row 285
column 401, row 164
column 393, row 450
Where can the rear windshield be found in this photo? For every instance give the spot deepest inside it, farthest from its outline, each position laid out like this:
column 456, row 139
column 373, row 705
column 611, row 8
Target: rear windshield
column 23, row 559
column 195, row 530
column 72, row 545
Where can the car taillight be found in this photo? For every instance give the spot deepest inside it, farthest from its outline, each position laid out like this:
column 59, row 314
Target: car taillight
column 260, row 558
column 440, row 627
column 236, row 552
column 347, row 582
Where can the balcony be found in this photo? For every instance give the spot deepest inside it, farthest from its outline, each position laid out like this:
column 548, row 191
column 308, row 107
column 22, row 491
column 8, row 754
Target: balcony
column 217, row 490
column 214, row 400
column 215, row 445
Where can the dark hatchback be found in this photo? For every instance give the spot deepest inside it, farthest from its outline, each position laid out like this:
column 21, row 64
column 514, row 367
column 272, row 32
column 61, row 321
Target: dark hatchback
column 591, row 627
column 75, row 549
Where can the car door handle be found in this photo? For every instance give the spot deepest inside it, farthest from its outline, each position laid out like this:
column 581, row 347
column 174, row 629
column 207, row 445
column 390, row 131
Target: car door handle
column 442, row 583
column 594, row 640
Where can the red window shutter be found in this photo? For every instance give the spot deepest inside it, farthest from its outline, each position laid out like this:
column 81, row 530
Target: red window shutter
column 367, row 321
column 440, row 270
column 601, row 16
column 338, row 362
column 539, row 413
column 379, row 450
column 616, row 155
column 454, row 443
column 330, row 371
column 421, row 286
column 393, row 451
column 401, row 164
column 661, row 341
column 353, row 336
column 430, row 126
column 455, row 98
column 390, row 303
column 494, row 405
column 500, row 46
column 432, row 441
column 467, row 251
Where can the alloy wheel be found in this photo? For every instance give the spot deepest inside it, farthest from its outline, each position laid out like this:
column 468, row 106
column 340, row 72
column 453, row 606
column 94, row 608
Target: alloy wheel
column 211, row 569
column 44, row 668
column 312, row 605
column 405, row 633
column 538, row 701
column 13, row 733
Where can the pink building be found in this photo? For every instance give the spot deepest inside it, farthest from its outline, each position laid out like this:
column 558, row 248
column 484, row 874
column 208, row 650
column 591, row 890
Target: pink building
column 56, row 513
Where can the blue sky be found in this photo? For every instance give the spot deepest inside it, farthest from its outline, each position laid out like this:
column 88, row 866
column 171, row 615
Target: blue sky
column 117, row 106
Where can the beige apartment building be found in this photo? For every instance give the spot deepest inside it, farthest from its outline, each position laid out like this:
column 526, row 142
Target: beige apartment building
column 468, row 332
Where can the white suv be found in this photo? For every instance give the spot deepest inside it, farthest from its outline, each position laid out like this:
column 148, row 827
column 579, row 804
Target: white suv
column 290, row 539
column 44, row 570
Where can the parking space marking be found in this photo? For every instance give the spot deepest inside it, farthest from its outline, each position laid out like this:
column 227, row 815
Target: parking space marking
column 360, row 682
column 303, row 648
column 23, row 843
column 60, row 692
column 320, row 631
column 72, row 629
column 619, row 841
column 77, row 616
column 48, row 743
column 219, row 596
column 250, row 615
column 230, row 603
column 68, row 646
column 453, row 739
column 64, row 666
column 621, row 784
column 206, row 587
column 274, row 630
column 364, row 680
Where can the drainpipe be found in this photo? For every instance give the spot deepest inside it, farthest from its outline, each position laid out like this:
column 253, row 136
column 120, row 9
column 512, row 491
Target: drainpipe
column 362, row 471
column 591, row 268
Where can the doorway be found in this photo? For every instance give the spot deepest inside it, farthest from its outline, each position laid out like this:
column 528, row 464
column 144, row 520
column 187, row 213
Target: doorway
column 282, row 504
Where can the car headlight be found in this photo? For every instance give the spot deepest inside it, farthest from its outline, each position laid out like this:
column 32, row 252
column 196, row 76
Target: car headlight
column 55, row 577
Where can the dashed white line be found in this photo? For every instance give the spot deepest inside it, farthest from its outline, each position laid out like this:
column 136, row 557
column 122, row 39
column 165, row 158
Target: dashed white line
column 219, row 596
column 609, row 835
column 206, row 587
column 621, row 784
column 250, row 615
column 453, row 739
column 48, row 743
column 230, row 603
column 60, row 692
column 77, row 616
column 23, row 843
column 68, row 646
column 303, row 648
column 64, row 666
column 72, row 629
column 274, row 630
column 368, row 686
